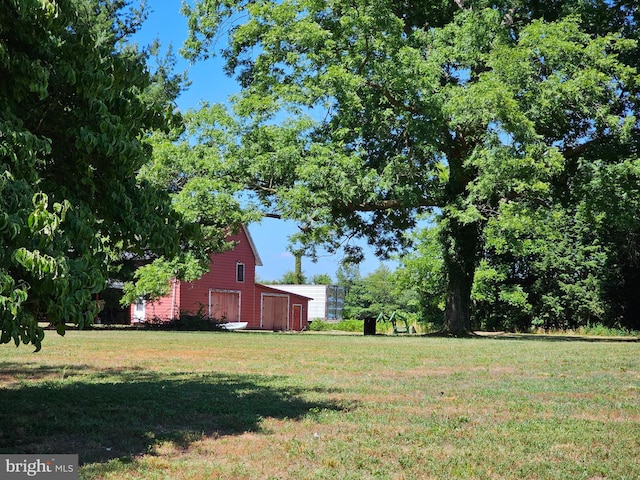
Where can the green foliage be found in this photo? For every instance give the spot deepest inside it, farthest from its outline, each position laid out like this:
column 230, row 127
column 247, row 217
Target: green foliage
column 76, row 105
column 422, row 271
column 611, row 206
column 377, row 292
column 322, row 279
column 287, row 278
column 348, row 273
column 184, row 322
column 341, row 326
column 292, row 278
column 190, row 163
column 600, row 330
column 542, row 268
column 357, row 117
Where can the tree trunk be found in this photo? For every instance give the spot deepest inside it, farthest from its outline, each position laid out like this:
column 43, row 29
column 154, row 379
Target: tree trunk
column 457, row 312
column 461, row 243
column 297, row 273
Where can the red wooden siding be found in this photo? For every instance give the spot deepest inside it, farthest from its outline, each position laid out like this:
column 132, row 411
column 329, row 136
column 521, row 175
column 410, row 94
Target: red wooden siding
column 222, row 295
column 296, row 319
column 275, row 311
column 274, row 314
column 222, row 276
column 161, row 308
column 225, row 305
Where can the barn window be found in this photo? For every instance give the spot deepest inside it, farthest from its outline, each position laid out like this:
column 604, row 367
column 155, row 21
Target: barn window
column 240, row 272
column 139, row 305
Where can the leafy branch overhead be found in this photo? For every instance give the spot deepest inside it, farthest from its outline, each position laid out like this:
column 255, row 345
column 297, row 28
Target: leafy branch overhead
column 77, row 104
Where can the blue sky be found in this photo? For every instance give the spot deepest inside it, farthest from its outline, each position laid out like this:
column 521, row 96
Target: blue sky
column 208, row 83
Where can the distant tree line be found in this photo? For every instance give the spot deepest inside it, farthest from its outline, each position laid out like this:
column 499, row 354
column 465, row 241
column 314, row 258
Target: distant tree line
column 550, row 278
column 554, row 269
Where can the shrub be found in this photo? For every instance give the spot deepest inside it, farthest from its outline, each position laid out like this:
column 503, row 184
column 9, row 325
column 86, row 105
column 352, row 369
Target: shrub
column 185, row 322
column 343, row 326
column 604, row 331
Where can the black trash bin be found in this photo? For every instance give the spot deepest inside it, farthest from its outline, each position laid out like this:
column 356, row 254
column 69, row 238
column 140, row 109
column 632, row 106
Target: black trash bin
column 369, row 326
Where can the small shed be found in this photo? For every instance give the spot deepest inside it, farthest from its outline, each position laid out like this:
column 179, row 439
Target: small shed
column 281, row 310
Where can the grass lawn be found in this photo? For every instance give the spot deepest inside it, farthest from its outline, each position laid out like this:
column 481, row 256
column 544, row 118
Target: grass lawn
column 162, row 405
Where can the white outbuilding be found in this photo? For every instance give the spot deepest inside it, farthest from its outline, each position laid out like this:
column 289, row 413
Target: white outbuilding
column 327, row 301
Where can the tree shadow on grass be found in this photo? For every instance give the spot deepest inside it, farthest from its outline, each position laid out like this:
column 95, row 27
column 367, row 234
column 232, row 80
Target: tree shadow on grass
column 553, row 337
column 137, row 410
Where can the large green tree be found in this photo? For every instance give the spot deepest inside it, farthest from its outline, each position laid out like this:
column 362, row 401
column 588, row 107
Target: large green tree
column 77, row 102
column 611, row 206
column 421, row 271
column 377, row 293
column 356, row 116
column 541, row 268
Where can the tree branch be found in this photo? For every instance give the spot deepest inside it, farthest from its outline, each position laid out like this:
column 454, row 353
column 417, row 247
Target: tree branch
column 577, row 150
column 394, row 101
column 389, row 204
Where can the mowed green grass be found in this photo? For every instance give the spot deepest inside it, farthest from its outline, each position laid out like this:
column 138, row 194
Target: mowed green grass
column 156, row 405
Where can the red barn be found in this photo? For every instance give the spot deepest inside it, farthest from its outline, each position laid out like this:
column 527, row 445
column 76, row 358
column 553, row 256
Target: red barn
column 228, row 293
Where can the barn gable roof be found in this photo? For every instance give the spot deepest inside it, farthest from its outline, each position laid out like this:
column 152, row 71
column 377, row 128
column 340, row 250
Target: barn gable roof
column 253, row 246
